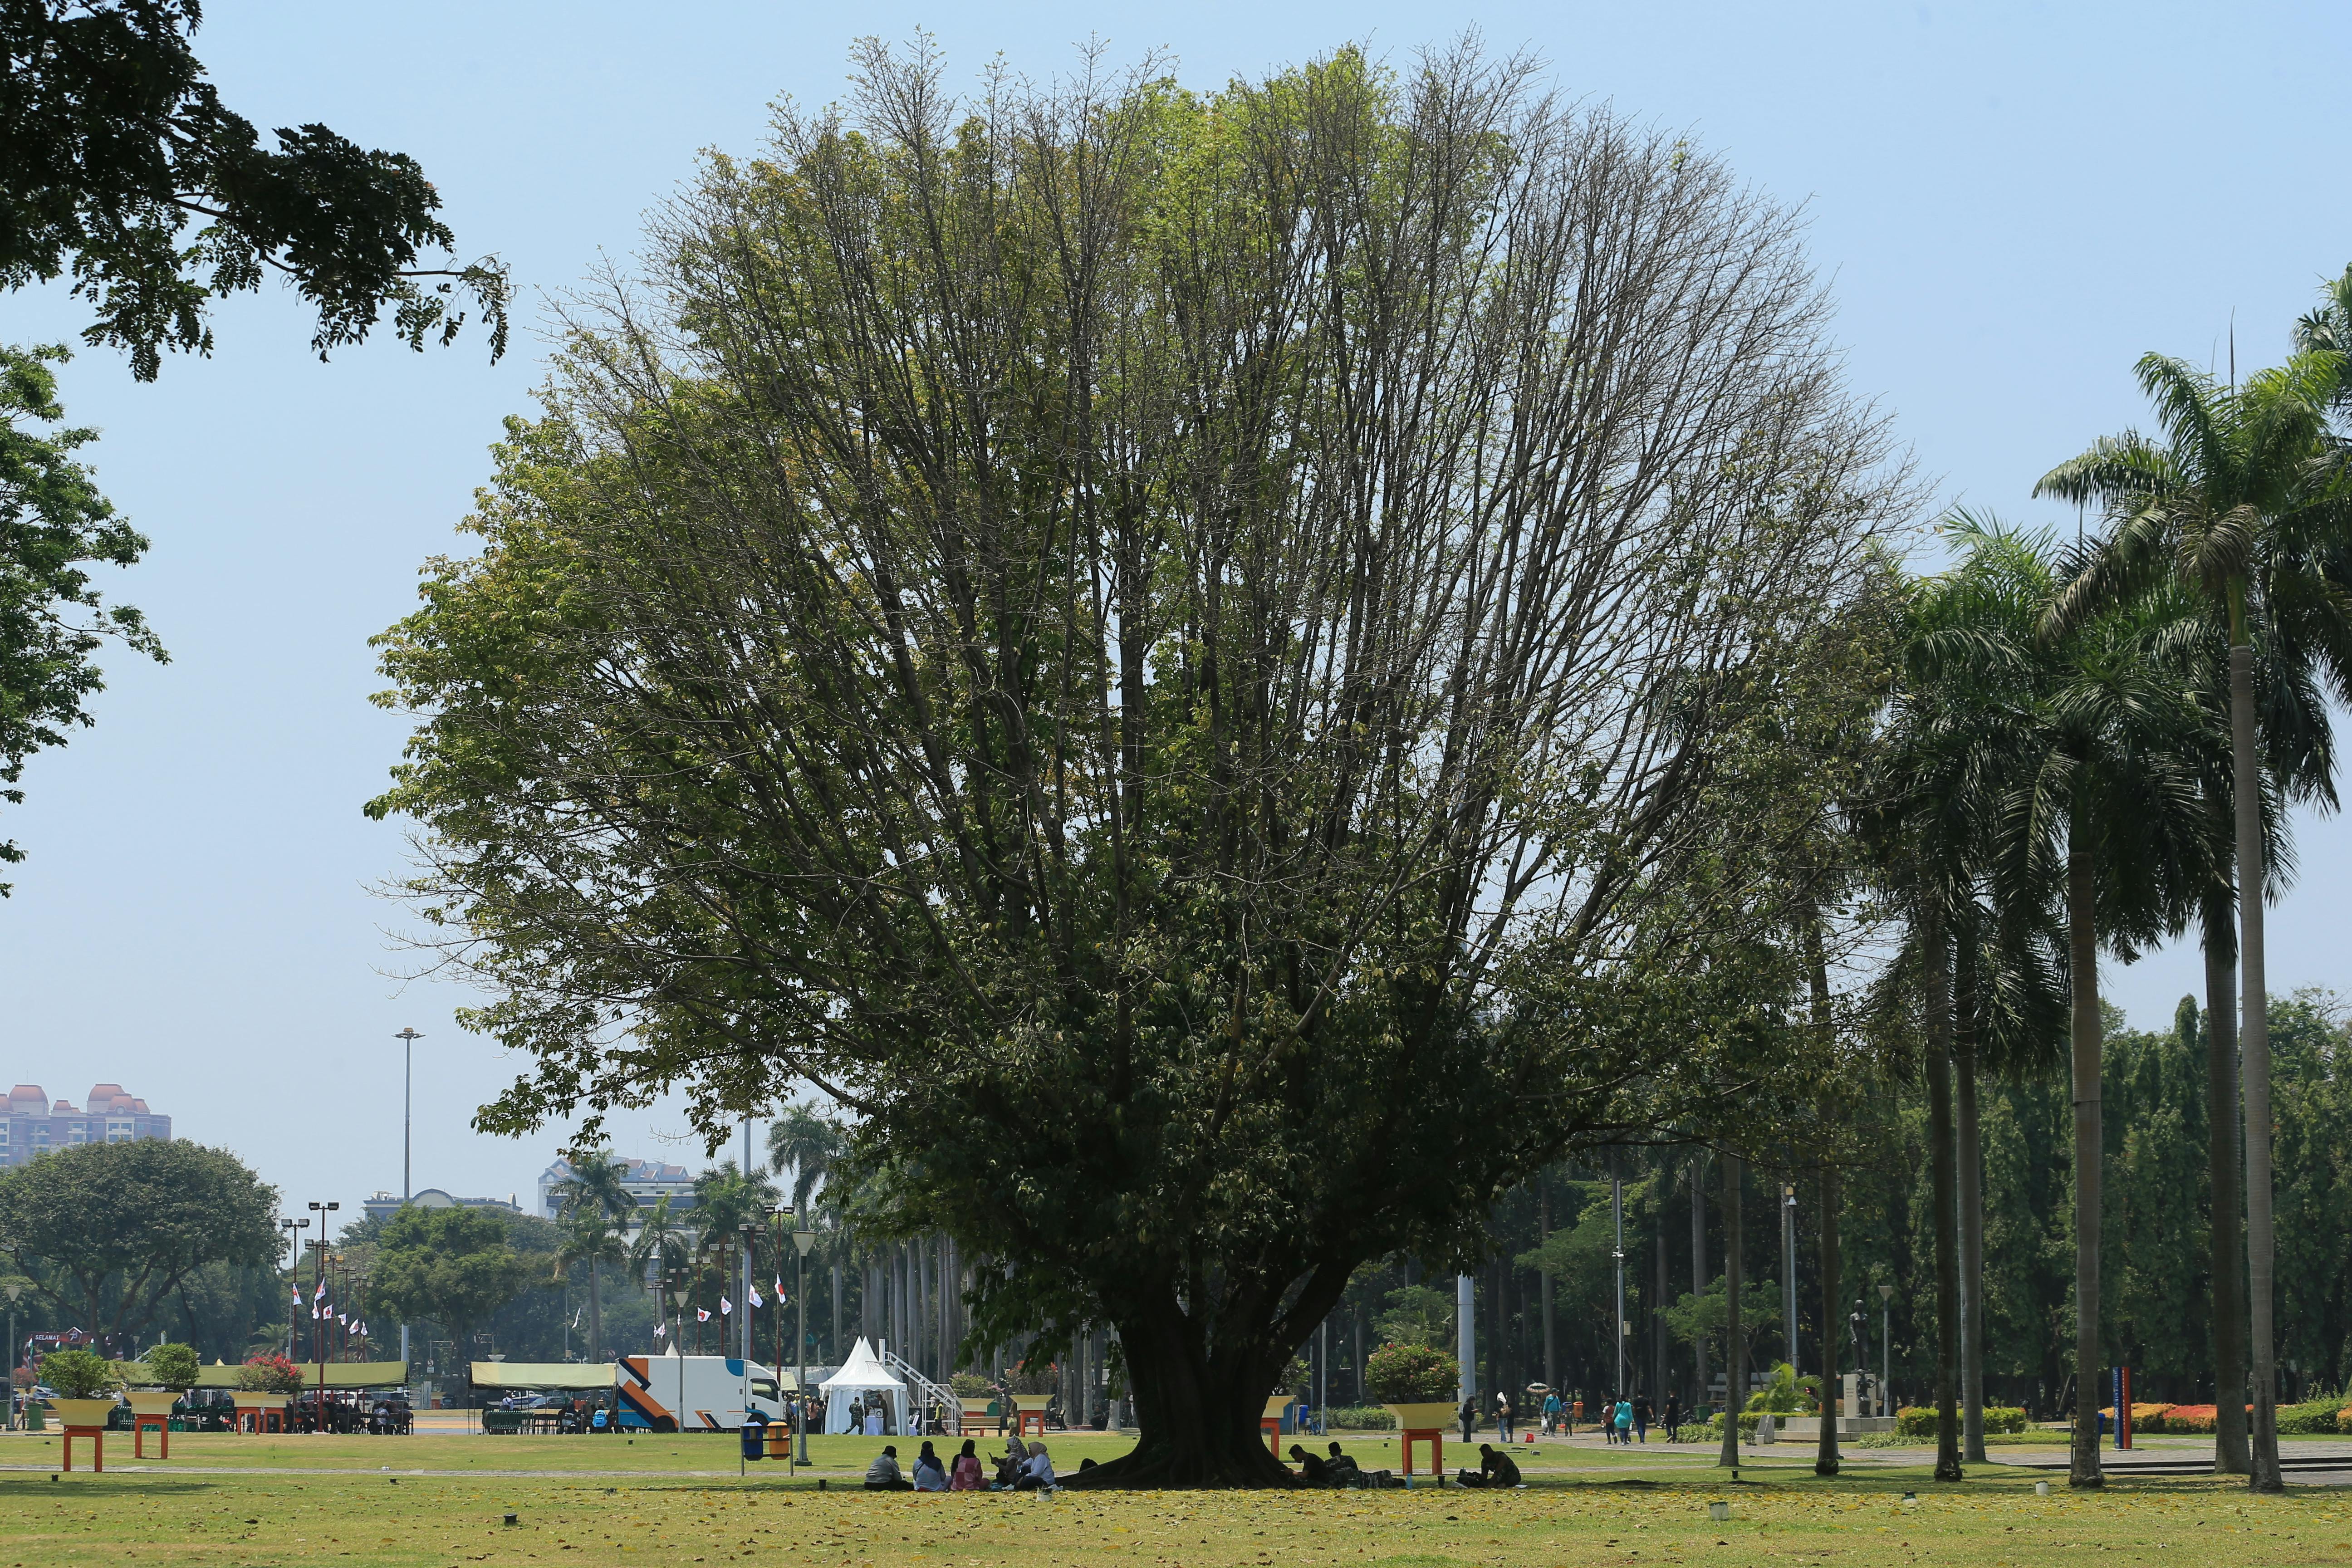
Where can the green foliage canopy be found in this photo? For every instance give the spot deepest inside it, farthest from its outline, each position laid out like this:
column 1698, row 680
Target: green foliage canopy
column 453, row 1266
column 116, row 1227
column 112, row 143
column 54, row 527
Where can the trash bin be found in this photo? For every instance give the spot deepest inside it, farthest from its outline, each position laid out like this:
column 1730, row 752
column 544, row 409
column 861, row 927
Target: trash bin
column 754, row 1435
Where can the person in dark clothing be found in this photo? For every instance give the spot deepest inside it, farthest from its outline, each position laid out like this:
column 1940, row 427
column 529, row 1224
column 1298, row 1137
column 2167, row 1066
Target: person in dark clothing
column 1469, row 1419
column 883, row 1475
column 1345, row 1471
column 1674, row 1415
column 1641, row 1418
column 1311, row 1467
column 1495, row 1471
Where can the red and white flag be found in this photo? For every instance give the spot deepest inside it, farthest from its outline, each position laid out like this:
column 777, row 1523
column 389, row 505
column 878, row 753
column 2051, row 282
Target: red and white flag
column 725, row 1305
column 702, row 1314
column 756, row 1302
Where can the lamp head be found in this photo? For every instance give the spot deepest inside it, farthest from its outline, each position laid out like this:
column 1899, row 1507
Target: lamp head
column 1886, row 1292
column 804, row 1239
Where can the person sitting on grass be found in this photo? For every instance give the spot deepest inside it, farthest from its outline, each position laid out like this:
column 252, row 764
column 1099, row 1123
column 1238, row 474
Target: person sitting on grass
column 1312, row 1469
column 931, row 1476
column 1496, row 1471
column 882, row 1475
column 1345, row 1471
column 1038, row 1474
column 966, row 1475
column 1008, row 1467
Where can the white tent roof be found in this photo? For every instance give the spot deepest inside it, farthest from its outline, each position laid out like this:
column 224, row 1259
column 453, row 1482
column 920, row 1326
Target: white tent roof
column 863, row 1369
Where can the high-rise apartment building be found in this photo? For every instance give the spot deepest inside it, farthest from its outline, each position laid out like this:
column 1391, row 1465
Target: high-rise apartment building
column 108, row 1116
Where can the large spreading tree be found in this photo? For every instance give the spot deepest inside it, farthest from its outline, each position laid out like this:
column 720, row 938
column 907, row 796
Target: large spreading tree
column 109, row 1231
column 1230, row 674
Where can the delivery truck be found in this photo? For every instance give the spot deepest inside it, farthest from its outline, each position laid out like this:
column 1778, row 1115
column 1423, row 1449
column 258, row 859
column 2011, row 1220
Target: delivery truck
column 695, row 1392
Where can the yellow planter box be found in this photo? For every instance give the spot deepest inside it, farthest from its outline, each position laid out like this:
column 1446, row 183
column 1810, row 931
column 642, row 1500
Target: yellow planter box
column 1432, row 1416
column 1032, row 1401
column 82, row 1412
column 153, row 1401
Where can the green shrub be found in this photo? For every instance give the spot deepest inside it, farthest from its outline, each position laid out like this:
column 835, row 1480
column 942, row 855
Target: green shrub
column 165, row 1366
column 79, row 1374
column 1917, row 1421
column 970, row 1385
column 1361, row 1418
column 1411, row 1374
column 2304, row 1420
column 1779, row 1395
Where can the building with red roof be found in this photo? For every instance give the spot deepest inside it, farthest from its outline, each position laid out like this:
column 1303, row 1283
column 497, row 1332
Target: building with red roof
column 109, row 1115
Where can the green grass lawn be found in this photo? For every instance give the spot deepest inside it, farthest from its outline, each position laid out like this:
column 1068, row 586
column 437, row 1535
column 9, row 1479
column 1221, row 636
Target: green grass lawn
column 331, row 1504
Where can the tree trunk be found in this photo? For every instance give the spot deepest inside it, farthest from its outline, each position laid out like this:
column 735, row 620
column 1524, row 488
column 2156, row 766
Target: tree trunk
column 1698, row 1280
column 833, row 1324
column 2254, row 1042
column 1943, row 1184
column 2083, row 974
column 1197, row 1409
column 1734, row 1361
column 1969, row 1168
column 2226, row 1247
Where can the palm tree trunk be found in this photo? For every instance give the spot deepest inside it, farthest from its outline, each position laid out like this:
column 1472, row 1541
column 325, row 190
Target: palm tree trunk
column 1817, row 977
column 1943, row 1184
column 1698, row 1278
column 2083, row 975
column 595, row 1315
column 1825, row 1453
column 2254, row 1032
column 2227, row 1246
column 1735, row 1380
column 1970, row 1169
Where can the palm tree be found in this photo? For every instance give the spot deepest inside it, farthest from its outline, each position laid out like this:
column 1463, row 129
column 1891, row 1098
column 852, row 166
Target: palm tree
column 596, row 1208
column 656, row 1247
column 2005, row 746
column 724, row 1199
column 2242, row 506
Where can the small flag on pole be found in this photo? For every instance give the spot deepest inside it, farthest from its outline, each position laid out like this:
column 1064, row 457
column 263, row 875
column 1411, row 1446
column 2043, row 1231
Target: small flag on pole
column 702, row 1314
column 756, row 1302
column 725, row 1305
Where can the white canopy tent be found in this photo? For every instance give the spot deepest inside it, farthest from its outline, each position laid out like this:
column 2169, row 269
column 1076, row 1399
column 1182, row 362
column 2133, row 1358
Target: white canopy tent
column 862, row 1372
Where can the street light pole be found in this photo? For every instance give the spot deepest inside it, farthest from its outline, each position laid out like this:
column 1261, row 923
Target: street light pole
column 14, row 1290
column 1886, row 1344
column 318, row 1274
column 802, row 1241
column 1789, row 1269
column 1617, row 1215
column 407, row 1038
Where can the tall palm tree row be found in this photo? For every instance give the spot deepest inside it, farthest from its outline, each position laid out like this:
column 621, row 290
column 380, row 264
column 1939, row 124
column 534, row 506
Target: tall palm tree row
column 2018, row 765
column 2239, row 504
column 597, row 1209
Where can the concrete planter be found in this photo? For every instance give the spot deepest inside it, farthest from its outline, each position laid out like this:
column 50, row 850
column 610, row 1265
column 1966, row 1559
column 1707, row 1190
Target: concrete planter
column 1031, row 1401
column 82, row 1412
column 1276, row 1403
column 153, row 1401
column 1430, row 1415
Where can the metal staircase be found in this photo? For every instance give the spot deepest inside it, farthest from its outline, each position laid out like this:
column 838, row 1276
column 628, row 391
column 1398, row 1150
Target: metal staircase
column 926, row 1392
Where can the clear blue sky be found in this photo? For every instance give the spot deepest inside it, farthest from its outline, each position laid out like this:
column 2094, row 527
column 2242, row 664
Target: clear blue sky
column 2012, row 202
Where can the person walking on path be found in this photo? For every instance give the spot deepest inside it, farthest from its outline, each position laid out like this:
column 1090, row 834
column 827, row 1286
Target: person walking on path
column 1642, row 1418
column 1469, row 1413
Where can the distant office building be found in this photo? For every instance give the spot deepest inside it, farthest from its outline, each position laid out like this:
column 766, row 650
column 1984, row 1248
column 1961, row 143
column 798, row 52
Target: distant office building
column 109, row 1116
column 647, row 1180
column 384, row 1206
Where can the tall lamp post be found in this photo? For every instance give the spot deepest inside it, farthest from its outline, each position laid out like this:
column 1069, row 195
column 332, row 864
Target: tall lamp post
column 1885, row 1344
column 407, row 1038
column 1617, row 1217
column 1789, row 1269
column 14, row 1288
column 802, row 1241
column 318, row 1274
